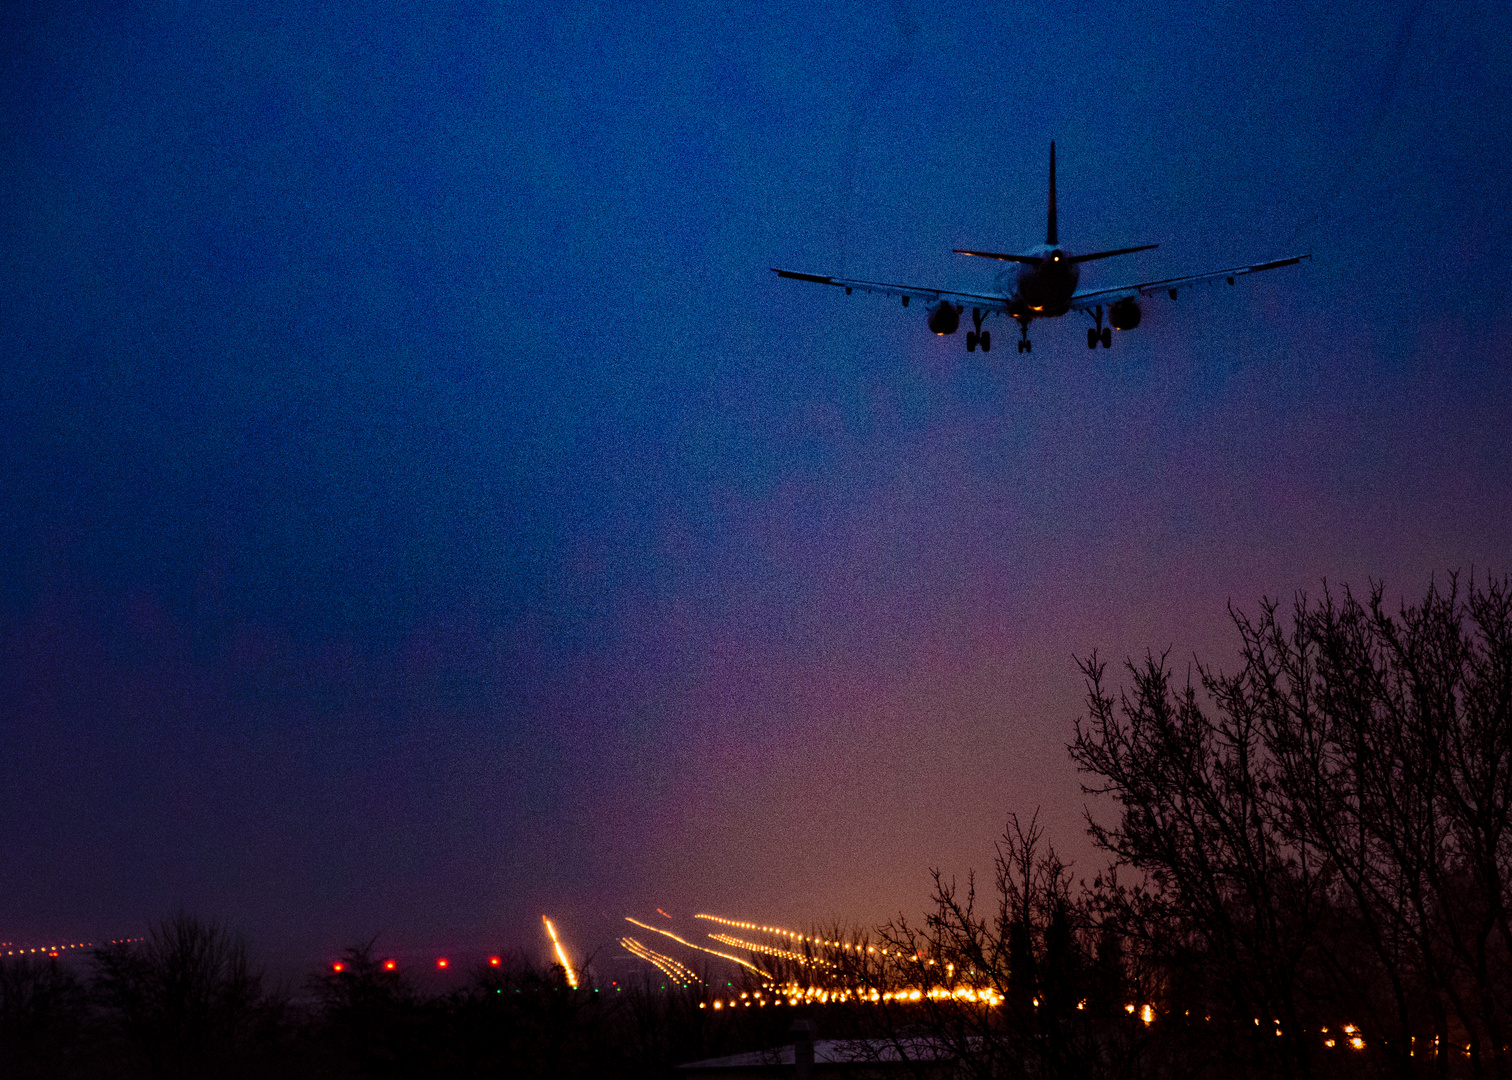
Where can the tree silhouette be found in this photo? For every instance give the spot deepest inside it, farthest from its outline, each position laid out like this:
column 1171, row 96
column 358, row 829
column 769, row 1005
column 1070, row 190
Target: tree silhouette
column 184, row 1003
column 1326, row 834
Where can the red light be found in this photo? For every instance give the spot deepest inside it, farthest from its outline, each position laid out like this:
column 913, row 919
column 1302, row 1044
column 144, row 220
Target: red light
column 389, row 965
column 443, row 962
column 338, row 968
column 494, row 961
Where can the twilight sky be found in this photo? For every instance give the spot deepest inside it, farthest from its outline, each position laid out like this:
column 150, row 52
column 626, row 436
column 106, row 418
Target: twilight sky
column 421, row 508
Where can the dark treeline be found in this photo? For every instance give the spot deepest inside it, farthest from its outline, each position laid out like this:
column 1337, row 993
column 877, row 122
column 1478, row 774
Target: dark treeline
column 1309, row 871
column 185, row 1004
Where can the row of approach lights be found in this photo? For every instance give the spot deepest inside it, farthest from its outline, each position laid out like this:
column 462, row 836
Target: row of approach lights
column 58, row 950
column 443, row 963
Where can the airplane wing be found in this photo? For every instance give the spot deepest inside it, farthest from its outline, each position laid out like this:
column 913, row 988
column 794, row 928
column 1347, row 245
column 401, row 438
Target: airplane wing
column 907, row 292
column 1090, row 298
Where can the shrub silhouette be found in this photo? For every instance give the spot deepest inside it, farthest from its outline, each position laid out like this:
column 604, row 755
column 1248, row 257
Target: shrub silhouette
column 43, row 1009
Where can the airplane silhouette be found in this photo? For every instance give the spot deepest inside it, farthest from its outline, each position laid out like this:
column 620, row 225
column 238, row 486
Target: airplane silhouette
column 1041, row 285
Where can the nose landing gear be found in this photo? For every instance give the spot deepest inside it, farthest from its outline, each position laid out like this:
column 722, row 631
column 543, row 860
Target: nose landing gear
column 1025, row 345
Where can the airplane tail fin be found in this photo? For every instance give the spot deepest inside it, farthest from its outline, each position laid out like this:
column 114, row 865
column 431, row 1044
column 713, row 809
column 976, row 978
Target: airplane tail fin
column 1050, row 232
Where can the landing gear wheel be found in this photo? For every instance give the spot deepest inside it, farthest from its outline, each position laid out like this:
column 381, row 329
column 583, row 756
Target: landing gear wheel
column 1021, row 346
column 1107, row 337
column 1092, row 337
column 985, row 339
column 971, row 340
column 1028, row 345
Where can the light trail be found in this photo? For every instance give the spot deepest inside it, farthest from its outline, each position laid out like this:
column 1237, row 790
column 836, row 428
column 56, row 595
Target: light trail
column 768, row 950
column 778, row 931
column 561, row 953
column 795, row 993
column 700, row 948
column 665, row 964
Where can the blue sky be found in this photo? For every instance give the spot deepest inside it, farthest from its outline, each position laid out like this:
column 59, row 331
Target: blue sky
column 423, row 508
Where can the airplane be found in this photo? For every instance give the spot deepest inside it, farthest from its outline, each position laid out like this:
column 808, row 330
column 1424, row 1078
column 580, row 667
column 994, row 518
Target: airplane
column 1042, row 285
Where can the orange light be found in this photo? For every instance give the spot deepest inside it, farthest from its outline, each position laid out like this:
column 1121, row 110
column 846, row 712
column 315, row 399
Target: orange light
column 338, row 967
column 494, row 961
column 390, row 965
column 442, row 962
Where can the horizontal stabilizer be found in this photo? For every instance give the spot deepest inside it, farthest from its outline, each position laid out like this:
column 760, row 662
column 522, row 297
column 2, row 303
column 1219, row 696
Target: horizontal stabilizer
column 1027, row 260
column 820, row 278
column 1110, row 254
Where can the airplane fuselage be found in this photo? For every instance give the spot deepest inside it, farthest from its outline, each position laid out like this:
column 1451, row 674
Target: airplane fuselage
column 1043, row 291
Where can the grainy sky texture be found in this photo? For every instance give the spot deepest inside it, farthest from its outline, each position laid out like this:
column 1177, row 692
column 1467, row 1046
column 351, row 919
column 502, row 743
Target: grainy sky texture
column 421, row 508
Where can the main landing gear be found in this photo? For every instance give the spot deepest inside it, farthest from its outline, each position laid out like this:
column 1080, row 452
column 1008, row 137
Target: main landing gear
column 1100, row 333
column 978, row 336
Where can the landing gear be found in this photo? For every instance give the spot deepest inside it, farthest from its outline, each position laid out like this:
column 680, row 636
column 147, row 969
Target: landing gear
column 1099, row 333
column 1025, row 345
column 978, row 336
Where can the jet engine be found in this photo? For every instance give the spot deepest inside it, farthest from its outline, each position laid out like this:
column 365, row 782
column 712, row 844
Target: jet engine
column 946, row 319
column 1124, row 315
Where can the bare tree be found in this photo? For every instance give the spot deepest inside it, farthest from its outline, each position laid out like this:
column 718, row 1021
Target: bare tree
column 185, row 1002
column 1324, row 835
column 1017, row 986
